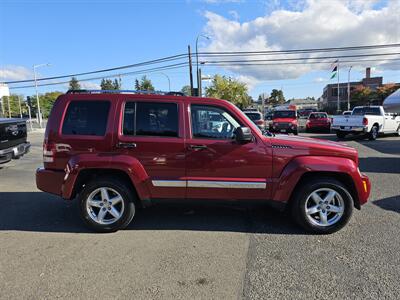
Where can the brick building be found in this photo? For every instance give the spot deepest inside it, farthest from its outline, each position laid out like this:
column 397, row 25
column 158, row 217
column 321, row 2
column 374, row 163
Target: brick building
column 329, row 96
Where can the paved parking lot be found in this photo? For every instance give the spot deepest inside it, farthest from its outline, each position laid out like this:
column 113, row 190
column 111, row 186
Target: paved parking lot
column 216, row 253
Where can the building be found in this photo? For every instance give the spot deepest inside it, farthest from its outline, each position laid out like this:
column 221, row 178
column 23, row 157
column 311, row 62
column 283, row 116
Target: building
column 303, row 103
column 329, row 96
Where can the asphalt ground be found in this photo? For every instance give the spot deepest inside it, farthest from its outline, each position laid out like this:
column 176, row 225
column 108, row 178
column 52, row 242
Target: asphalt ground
column 199, row 252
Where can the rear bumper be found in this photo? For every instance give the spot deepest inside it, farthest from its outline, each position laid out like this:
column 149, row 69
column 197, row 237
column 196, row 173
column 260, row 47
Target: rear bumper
column 350, row 129
column 14, row 152
column 50, row 181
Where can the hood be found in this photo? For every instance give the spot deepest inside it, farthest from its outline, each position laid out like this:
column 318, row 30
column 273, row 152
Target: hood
column 311, row 146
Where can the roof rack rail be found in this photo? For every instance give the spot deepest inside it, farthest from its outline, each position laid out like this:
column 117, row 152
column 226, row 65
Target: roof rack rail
column 125, row 92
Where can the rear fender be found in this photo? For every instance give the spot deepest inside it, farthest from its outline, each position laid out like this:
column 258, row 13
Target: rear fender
column 130, row 165
column 297, row 167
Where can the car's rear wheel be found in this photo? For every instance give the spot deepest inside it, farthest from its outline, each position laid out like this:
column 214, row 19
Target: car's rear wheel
column 398, row 131
column 323, row 205
column 340, row 134
column 373, row 134
column 107, row 204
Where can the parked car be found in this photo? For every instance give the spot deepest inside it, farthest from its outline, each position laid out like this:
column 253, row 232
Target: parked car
column 368, row 120
column 13, row 139
column 347, row 113
column 118, row 152
column 257, row 118
column 284, row 121
column 318, row 121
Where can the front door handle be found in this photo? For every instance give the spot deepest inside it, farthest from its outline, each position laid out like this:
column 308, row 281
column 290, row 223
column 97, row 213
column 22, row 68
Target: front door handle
column 197, row 147
column 126, row 145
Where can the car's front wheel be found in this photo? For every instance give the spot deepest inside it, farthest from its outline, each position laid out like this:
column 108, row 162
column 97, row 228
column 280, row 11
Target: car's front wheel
column 107, row 204
column 323, row 205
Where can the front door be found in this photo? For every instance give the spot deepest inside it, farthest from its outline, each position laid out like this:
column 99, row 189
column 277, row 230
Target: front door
column 217, row 167
column 152, row 132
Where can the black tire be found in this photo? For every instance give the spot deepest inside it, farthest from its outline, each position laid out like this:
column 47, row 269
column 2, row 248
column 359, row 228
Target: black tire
column 128, row 198
column 298, row 207
column 295, row 132
column 308, row 130
column 373, row 134
column 340, row 134
column 398, row 131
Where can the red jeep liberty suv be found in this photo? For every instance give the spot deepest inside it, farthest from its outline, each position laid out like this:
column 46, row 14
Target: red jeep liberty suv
column 119, row 151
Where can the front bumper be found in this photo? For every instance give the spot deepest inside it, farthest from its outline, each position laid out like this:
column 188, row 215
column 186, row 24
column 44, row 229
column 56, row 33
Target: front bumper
column 14, row 152
column 363, row 187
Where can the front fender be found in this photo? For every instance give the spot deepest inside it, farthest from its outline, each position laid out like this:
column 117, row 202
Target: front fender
column 298, row 166
column 128, row 164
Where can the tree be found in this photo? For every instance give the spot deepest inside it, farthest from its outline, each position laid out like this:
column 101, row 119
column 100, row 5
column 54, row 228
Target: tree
column 361, row 95
column 385, row 90
column 46, row 103
column 74, row 84
column 276, row 97
column 144, row 84
column 107, row 84
column 229, row 89
column 186, row 90
column 11, row 105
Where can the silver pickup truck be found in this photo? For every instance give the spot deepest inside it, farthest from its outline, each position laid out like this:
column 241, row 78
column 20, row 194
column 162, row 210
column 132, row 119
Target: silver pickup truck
column 368, row 120
column 13, row 139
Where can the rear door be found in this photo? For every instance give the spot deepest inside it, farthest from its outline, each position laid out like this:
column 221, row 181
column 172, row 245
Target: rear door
column 152, row 132
column 391, row 123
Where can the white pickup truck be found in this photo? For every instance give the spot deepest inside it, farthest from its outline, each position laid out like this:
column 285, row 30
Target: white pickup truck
column 368, row 120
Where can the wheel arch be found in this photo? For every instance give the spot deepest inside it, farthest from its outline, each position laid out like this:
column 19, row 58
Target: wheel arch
column 343, row 178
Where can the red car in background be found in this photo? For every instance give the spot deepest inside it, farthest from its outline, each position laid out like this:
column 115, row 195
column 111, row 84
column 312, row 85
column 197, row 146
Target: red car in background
column 284, row 121
column 318, row 121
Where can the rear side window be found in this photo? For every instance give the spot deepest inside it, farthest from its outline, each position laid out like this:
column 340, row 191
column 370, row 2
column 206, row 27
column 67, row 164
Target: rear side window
column 151, row 119
column 86, row 118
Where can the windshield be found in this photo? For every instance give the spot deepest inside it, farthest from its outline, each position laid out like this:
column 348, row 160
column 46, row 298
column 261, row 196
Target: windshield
column 318, row 116
column 254, row 116
column 284, row 114
column 360, row 111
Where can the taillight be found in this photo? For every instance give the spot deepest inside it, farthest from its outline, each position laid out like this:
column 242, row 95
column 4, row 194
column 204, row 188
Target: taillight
column 365, row 121
column 48, row 152
column 259, row 122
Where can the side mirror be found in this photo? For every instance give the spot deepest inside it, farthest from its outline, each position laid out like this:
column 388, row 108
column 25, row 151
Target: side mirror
column 243, row 135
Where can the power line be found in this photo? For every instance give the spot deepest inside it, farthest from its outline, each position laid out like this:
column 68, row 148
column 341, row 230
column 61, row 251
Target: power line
column 152, row 70
column 244, row 63
column 154, row 61
column 294, row 51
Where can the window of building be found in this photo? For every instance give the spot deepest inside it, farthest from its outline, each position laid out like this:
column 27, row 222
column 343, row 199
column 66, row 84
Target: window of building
column 86, row 118
column 212, row 122
column 151, row 119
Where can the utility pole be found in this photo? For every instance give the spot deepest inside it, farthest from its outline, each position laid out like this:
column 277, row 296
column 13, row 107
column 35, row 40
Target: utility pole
column 338, row 90
column 200, row 85
column 37, row 94
column 348, row 89
column 197, row 62
column 190, row 71
column 9, row 108
column 20, row 108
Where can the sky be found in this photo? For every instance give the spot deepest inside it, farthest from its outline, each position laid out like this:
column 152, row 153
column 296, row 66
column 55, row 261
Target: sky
column 78, row 36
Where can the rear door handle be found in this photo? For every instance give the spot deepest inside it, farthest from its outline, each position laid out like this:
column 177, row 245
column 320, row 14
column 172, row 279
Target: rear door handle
column 197, row 147
column 126, row 145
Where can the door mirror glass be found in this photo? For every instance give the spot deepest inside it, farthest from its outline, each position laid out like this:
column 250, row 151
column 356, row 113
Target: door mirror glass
column 243, row 135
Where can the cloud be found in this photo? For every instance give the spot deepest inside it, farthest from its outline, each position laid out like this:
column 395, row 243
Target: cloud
column 88, row 85
column 319, row 24
column 320, row 79
column 234, row 14
column 10, row 73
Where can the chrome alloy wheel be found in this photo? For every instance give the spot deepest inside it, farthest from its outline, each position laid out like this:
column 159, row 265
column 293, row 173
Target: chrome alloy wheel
column 105, row 206
column 324, row 207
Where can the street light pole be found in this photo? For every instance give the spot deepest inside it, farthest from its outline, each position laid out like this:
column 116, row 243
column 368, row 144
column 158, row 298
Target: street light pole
column 197, row 62
column 37, row 94
column 348, row 89
column 169, row 81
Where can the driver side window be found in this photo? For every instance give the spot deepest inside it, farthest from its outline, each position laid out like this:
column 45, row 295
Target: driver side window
column 211, row 122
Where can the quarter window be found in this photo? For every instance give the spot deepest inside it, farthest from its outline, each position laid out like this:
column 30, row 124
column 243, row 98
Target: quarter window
column 151, row 119
column 86, row 118
column 212, row 122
